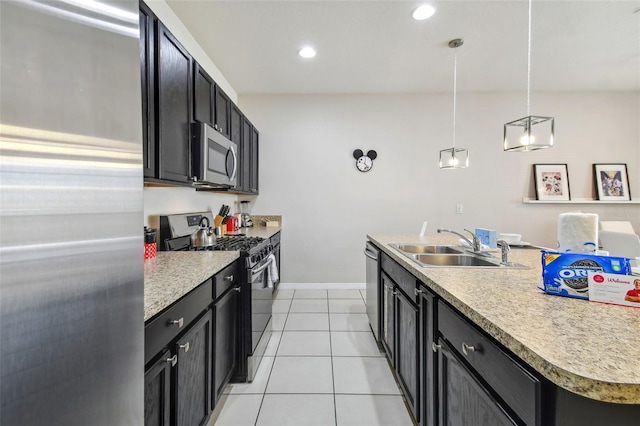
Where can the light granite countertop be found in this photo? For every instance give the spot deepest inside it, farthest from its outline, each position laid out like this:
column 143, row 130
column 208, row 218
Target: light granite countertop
column 171, row 275
column 588, row 348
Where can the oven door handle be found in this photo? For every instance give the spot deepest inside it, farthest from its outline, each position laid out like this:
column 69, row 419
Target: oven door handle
column 262, row 268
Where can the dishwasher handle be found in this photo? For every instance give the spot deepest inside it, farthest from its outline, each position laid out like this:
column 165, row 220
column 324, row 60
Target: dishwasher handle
column 370, row 254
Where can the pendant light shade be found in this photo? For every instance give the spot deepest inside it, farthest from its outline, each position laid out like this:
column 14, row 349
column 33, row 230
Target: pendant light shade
column 532, row 132
column 454, row 158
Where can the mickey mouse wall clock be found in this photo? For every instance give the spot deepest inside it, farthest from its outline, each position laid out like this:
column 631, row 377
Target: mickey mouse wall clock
column 364, row 163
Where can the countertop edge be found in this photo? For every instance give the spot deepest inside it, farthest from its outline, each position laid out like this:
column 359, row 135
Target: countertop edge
column 593, row 388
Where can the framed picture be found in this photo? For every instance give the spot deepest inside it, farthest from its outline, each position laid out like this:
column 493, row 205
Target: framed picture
column 612, row 182
column 551, row 182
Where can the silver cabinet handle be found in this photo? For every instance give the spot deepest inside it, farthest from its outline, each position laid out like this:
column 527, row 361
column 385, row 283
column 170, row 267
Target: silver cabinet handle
column 370, row 254
column 178, row 322
column 417, row 291
column 435, row 346
column 173, row 360
column 185, row 347
column 395, row 293
column 228, row 278
column 466, row 348
column 238, row 289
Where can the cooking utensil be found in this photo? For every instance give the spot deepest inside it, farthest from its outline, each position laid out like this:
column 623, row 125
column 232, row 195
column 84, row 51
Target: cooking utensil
column 204, row 236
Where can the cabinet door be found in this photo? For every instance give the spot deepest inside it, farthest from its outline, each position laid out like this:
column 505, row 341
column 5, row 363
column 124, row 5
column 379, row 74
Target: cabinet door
column 203, row 92
column 388, row 317
column 225, row 312
column 245, row 159
column 407, row 349
column 236, row 136
column 255, row 142
column 174, row 108
column 147, row 73
column 157, row 402
column 192, row 382
column 463, row 400
column 223, row 112
column 428, row 381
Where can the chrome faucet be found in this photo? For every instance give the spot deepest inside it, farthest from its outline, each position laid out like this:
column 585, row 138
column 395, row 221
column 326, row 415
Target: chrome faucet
column 505, row 249
column 475, row 243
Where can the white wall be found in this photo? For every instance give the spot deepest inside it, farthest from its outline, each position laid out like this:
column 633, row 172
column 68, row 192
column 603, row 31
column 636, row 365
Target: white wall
column 308, row 174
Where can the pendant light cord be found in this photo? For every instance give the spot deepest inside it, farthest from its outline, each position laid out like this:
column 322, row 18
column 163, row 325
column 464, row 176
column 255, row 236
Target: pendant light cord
column 529, row 65
column 455, row 70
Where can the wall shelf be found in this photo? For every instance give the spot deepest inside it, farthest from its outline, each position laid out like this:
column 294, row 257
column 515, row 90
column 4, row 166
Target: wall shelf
column 580, row 201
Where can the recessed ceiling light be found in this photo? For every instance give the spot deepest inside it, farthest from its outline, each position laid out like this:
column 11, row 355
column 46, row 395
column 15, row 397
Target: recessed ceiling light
column 307, row 52
column 423, row 12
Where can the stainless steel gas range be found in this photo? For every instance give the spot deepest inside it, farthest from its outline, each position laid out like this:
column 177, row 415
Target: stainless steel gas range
column 256, row 292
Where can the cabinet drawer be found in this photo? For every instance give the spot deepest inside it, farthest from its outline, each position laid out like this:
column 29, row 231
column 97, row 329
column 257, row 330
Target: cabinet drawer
column 401, row 277
column 158, row 333
column 224, row 279
column 517, row 387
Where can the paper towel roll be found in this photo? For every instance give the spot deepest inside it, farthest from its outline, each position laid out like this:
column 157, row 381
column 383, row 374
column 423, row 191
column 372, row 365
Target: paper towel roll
column 578, row 232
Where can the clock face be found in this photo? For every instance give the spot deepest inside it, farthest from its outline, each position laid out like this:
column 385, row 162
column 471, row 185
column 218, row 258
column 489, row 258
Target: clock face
column 364, row 163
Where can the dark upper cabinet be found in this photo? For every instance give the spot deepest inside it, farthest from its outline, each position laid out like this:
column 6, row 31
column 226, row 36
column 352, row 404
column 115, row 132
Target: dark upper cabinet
column 174, row 107
column 147, row 71
column 255, row 136
column 222, row 112
column 203, row 92
column 245, row 156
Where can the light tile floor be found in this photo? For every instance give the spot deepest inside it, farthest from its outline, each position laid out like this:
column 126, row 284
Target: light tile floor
column 322, row 367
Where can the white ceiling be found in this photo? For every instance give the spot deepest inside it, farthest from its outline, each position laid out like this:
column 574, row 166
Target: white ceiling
column 376, row 47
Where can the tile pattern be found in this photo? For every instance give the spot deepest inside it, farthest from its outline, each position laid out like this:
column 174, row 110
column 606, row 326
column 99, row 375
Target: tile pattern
column 322, row 367
column 557, row 336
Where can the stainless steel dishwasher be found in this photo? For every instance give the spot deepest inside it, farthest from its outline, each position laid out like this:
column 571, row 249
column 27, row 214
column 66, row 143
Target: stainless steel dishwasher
column 373, row 271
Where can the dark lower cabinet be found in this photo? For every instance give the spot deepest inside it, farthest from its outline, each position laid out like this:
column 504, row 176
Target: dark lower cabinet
column 174, row 107
column 463, row 400
column 387, row 317
column 407, row 356
column 225, row 314
column 428, row 379
column 157, row 391
column 192, row 374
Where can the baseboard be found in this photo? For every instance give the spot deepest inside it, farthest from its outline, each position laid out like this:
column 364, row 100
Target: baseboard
column 322, row 286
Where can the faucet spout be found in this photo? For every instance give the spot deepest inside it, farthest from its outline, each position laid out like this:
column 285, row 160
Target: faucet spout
column 474, row 242
column 505, row 249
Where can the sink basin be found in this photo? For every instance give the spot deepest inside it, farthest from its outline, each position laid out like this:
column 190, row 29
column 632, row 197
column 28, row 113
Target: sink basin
column 459, row 260
column 423, row 248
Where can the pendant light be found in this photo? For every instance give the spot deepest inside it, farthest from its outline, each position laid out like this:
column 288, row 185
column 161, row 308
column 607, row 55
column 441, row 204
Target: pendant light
column 454, row 158
column 531, row 132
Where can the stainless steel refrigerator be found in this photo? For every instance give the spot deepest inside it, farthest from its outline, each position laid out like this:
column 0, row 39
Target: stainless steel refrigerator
column 71, row 214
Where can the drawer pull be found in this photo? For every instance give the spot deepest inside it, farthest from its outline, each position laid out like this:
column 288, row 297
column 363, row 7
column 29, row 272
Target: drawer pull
column 466, row 348
column 178, row 322
column 228, row 278
column 435, row 346
column 185, row 347
column 173, row 360
column 417, row 291
column 238, row 289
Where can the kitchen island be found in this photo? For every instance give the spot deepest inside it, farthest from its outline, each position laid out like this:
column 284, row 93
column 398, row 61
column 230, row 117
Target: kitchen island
column 588, row 349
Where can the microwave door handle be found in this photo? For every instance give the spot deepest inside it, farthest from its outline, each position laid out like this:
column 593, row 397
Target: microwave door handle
column 235, row 163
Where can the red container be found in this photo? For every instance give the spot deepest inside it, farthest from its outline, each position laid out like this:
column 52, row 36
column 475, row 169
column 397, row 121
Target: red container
column 232, row 224
column 150, row 250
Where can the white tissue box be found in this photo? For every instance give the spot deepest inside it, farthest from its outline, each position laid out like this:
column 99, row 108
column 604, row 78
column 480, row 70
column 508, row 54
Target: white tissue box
column 488, row 237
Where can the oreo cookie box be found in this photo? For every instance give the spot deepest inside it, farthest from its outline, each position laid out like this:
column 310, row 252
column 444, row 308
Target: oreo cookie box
column 566, row 274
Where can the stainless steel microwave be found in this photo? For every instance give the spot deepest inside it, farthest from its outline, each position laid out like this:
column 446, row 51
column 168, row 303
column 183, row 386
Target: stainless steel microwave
column 214, row 158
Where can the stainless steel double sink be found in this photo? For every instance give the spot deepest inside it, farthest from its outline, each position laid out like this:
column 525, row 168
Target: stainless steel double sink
column 450, row 256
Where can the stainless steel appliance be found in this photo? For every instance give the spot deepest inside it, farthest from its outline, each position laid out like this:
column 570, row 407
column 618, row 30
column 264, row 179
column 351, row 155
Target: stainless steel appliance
column 255, row 298
column 71, row 214
column 373, row 275
column 215, row 158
